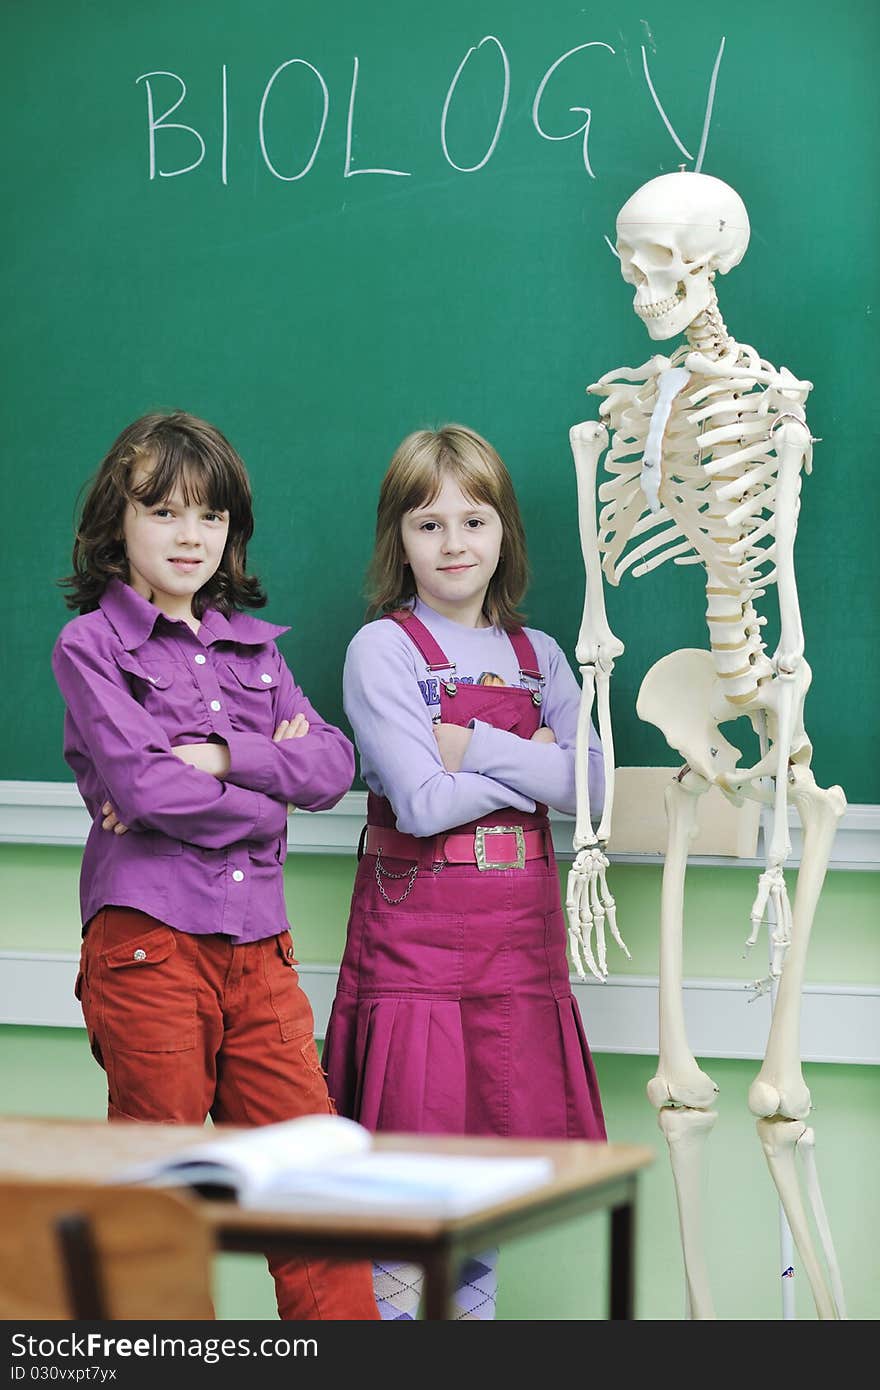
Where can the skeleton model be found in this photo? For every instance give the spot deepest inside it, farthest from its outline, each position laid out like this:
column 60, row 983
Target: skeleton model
column 704, row 467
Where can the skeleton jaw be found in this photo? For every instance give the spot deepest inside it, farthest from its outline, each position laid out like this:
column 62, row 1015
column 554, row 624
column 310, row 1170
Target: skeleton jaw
column 670, row 315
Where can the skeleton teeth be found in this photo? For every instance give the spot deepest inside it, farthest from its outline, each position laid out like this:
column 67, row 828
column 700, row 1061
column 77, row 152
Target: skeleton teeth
column 660, row 306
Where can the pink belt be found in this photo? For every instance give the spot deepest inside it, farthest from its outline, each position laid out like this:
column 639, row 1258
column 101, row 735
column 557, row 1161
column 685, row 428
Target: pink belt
column 489, row 847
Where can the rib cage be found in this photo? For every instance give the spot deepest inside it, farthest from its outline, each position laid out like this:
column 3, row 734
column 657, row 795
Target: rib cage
column 719, row 471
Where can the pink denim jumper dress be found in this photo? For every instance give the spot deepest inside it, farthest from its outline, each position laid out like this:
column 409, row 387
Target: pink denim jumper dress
column 454, row 1012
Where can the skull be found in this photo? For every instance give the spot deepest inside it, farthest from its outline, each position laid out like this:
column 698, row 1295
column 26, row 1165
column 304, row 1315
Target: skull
column 673, row 234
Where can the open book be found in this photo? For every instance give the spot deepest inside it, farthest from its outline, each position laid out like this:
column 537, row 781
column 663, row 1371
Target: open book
column 328, row 1163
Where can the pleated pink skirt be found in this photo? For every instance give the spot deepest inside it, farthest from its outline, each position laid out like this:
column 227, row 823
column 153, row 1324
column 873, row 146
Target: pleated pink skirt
column 454, row 1012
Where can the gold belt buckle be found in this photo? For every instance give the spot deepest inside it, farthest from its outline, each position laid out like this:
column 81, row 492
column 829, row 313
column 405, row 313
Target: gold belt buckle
column 480, row 847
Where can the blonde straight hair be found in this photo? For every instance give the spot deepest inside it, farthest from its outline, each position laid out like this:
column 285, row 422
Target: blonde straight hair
column 417, row 471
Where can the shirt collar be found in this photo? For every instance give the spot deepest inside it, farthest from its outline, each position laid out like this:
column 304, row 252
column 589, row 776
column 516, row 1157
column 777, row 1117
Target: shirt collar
column 134, row 617
column 239, row 627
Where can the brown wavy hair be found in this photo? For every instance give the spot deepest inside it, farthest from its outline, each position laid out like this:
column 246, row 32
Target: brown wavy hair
column 415, row 476
column 179, row 449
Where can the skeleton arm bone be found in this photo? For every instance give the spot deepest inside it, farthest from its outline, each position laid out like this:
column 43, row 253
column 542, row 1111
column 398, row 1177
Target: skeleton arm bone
column 588, row 901
column 589, row 859
column 597, row 645
column 790, row 685
column 793, row 448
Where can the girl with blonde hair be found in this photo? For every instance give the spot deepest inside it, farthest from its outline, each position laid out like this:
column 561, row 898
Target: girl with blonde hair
column 454, row 1012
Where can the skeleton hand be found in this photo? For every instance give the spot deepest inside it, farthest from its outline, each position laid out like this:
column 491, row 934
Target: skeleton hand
column 771, row 888
column 587, row 904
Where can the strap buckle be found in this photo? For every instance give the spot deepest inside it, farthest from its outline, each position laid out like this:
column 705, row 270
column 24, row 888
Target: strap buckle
column 480, row 847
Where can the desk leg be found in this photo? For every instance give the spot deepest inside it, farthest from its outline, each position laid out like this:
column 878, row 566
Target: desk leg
column 623, row 1221
column 438, row 1285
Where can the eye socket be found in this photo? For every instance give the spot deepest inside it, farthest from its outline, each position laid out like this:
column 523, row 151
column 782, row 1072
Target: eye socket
column 656, row 256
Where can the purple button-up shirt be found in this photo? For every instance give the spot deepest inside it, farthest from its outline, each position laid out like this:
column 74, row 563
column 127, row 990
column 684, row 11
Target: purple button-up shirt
column 201, row 855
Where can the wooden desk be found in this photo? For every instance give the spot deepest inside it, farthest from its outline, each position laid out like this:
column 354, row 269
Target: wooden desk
column 587, row 1177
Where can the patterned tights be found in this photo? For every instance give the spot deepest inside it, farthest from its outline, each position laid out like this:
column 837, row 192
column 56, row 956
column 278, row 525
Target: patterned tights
column 398, row 1288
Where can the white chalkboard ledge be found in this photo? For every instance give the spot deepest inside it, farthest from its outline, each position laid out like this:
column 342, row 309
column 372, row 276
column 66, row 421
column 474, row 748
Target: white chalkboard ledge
column 52, row 813
column 840, row 1022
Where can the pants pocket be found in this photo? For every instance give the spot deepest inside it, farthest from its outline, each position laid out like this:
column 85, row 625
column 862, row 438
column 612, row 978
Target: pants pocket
column 289, row 1002
column 141, row 986
column 315, row 1097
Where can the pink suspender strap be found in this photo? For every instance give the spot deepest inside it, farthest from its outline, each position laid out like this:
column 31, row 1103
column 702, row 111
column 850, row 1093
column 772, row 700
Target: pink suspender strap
column 525, row 654
column 421, row 638
column 435, row 657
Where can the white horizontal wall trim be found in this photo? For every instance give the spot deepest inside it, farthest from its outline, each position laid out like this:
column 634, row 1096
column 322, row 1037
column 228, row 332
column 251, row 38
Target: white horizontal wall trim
column 840, row 1023
column 52, row 813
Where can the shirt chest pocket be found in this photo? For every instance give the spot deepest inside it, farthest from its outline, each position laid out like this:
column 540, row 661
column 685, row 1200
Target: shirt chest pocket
column 252, row 686
column 155, row 684
column 151, row 682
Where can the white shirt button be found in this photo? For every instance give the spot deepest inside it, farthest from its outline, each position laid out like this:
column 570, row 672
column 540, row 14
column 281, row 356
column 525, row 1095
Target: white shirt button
column 215, row 704
column 140, row 955
column 237, row 875
column 266, row 677
column 200, row 660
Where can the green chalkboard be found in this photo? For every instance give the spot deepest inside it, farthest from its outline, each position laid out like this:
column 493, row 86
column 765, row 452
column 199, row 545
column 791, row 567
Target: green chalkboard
column 330, row 241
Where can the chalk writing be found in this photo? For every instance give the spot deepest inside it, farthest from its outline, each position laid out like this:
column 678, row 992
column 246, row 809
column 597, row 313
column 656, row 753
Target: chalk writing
column 292, row 62
column 164, row 124
column 472, row 168
column 348, row 172
column 710, row 102
column 584, row 110
column 155, row 84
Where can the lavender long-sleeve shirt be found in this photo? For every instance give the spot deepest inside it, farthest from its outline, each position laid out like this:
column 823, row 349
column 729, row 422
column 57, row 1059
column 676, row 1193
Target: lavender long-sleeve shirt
column 391, row 701
column 201, row 855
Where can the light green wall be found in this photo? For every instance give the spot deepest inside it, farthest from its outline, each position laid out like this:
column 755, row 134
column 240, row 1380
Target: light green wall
column 845, row 948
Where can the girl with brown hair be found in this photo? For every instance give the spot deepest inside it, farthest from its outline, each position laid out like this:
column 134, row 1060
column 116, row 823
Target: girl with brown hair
column 189, row 738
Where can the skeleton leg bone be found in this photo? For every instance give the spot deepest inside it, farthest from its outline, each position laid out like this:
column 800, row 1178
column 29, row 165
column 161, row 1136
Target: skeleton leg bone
column 779, row 1095
column 779, row 1088
column 677, row 695
column 686, row 1132
column 678, row 1081
column 779, row 1138
column 806, row 1149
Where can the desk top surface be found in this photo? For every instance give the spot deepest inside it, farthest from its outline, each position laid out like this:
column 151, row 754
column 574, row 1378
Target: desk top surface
column 92, row 1151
